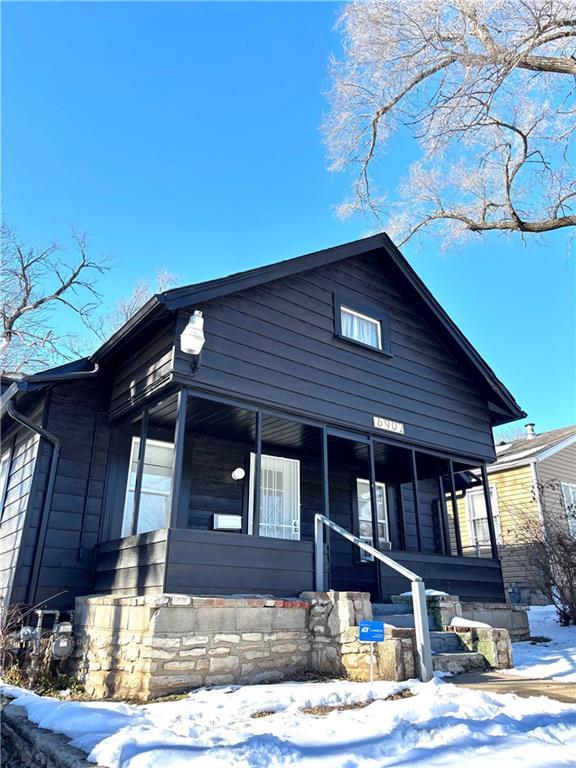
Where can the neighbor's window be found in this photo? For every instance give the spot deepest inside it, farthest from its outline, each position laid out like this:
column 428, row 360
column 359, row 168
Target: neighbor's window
column 365, row 528
column 478, row 518
column 154, row 509
column 362, row 328
column 569, row 494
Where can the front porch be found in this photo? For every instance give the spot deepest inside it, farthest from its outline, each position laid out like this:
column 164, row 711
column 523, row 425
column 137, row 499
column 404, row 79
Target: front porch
column 211, row 497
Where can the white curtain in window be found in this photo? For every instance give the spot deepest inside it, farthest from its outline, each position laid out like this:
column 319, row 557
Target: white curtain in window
column 360, row 328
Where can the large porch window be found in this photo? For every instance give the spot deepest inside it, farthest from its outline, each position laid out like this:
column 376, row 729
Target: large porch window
column 279, row 497
column 154, row 509
column 365, row 526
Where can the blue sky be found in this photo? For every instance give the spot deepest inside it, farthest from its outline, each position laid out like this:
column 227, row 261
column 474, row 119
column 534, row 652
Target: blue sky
column 187, row 136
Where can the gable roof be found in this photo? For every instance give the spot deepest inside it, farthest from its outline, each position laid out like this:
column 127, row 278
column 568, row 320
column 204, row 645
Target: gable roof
column 525, row 450
column 504, row 408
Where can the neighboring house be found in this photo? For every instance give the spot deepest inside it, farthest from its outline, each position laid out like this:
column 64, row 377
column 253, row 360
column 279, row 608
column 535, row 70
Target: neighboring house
column 532, row 477
column 332, row 383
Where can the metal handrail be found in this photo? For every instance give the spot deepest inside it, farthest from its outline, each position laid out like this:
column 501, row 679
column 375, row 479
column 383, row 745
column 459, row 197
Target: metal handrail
column 423, row 648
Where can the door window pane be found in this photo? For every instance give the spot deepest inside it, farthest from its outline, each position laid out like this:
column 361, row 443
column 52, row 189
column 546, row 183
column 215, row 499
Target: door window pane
column 365, row 516
column 156, row 486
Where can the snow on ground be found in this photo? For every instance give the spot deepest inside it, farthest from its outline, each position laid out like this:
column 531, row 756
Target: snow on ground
column 555, row 660
column 440, row 726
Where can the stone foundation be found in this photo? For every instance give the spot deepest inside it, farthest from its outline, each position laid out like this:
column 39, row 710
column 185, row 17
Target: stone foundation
column 145, row 647
column 498, row 615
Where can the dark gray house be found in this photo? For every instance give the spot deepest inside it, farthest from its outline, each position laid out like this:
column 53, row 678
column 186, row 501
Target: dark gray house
column 329, row 383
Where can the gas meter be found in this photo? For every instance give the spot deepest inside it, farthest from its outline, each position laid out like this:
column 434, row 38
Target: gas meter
column 62, row 640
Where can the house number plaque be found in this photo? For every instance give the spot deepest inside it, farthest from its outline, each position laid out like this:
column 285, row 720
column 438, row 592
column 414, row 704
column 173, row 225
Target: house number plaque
column 389, row 425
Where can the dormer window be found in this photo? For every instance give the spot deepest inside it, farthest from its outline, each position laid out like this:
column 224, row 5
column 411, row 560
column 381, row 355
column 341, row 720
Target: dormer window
column 362, row 325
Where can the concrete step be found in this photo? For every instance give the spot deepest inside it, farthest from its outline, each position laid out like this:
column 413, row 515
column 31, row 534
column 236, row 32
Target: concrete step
column 458, row 662
column 382, row 609
column 445, row 642
column 397, row 620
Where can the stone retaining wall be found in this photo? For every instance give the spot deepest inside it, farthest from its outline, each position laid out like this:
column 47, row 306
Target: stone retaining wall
column 145, row 647
column 514, row 618
column 35, row 747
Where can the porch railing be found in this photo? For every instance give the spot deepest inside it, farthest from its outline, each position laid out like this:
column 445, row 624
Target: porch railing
column 423, row 647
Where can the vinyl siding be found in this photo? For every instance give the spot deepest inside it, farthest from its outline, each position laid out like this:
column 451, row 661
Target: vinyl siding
column 556, row 469
column 518, row 509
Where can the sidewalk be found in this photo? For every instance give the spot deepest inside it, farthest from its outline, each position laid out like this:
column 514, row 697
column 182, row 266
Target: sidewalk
column 496, row 682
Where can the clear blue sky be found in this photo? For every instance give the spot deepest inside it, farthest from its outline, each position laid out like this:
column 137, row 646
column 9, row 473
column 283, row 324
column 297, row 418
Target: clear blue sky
column 186, row 136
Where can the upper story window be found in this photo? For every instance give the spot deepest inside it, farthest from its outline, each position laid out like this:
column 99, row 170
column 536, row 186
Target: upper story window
column 358, row 327
column 366, row 326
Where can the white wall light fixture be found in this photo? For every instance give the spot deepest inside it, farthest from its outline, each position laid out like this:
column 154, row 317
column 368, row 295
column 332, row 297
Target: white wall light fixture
column 238, row 474
column 192, row 337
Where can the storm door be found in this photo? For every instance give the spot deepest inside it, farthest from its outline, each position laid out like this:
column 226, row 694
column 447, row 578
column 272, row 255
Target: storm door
column 279, row 497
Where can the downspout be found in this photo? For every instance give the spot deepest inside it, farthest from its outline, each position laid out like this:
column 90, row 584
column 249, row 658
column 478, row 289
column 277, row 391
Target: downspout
column 43, row 526
column 7, row 406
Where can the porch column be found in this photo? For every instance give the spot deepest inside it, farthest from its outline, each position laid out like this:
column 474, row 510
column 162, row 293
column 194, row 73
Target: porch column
column 414, row 470
column 444, row 522
column 325, row 538
column 325, row 475
column 257, row 475
column 139, row 472
column 454, row 508
column 374, row 507
column 489, row 512
column 178, row 456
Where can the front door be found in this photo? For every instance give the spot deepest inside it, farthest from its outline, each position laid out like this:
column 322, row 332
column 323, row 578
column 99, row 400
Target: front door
column 279, row 497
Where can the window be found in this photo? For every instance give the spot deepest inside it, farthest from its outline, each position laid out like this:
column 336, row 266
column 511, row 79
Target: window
column 366, row 326
column 279, row 497
column 569, row 494
column 478, row 518
column 154, row 509
column 4, row 475
column 365, row 529
column 358, row 327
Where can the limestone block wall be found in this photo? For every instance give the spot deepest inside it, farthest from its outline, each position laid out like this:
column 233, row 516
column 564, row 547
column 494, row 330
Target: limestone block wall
column 493, row 644
column 144, row 647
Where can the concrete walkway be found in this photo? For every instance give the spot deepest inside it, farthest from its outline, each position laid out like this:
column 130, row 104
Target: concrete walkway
column 496, row 682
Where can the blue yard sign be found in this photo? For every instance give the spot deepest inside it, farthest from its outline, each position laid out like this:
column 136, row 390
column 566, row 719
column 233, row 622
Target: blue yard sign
column 371, row 632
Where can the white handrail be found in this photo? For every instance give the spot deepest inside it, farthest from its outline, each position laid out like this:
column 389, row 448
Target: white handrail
column 422, row 629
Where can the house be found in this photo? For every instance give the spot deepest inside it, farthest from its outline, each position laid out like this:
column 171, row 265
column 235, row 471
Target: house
column 331, row 383
column 532, row 478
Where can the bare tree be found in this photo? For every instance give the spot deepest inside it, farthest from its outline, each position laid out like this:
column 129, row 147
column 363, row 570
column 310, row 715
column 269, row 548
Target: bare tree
column 485, row 87
column 34, row 283
column 546, row 547
column 103, row 326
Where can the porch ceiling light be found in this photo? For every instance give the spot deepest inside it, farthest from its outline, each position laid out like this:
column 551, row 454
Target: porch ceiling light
column 238, row 474
column 192, row 337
